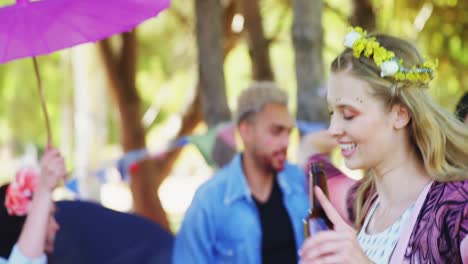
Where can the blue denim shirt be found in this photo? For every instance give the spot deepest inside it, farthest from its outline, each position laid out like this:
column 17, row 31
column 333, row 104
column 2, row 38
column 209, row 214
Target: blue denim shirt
column 222, row 225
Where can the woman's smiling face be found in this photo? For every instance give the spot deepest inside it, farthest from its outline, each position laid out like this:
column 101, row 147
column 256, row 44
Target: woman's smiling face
column 359, row 121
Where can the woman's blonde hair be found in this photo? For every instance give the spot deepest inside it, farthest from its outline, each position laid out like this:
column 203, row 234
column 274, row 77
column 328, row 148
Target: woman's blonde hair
column 440, row 140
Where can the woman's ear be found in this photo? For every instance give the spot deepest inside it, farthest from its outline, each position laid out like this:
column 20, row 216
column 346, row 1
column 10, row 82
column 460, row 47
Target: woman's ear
column 401, row 116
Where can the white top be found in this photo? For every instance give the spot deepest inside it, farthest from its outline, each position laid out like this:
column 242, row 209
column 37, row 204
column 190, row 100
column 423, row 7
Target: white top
column 379, row 247
column 17, row 257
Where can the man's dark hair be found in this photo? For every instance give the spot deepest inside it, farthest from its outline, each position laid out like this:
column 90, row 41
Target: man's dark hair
column 462, row 107
column 10, row 226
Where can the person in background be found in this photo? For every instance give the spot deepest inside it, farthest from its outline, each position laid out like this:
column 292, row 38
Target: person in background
column 27, row 239
column 251, row 210
column 462, row 109
column 412, row 204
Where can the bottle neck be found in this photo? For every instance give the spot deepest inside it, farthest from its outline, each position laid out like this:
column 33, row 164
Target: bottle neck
column 314, row 202
column 318, row 178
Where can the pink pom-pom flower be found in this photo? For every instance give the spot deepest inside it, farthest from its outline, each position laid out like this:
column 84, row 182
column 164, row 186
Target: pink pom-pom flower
column 19, row 193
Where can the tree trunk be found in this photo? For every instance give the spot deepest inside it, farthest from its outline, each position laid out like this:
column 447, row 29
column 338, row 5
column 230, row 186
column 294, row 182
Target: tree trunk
column 258, row 44
column 363, row 15
column 307, row 34
column 229, row 37
column 193, row 115
column 121, row 71
column 151, row 174
column 90, row 124
column 210, row 59
column 190, row 119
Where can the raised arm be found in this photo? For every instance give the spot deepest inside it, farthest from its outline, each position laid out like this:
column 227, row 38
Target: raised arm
column 32, row 241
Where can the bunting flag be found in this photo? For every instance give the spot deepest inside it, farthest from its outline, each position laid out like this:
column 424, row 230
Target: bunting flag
column 205, row 143
column 101, row 175
column 180, row 143
column 72, row 185
column 128, row 159
column 227, row 132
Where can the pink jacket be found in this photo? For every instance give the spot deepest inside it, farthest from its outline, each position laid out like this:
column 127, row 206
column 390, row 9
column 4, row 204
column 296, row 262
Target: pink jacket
column 437, row 229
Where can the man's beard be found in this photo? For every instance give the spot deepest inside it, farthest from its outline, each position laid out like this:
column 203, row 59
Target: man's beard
column 267, row 161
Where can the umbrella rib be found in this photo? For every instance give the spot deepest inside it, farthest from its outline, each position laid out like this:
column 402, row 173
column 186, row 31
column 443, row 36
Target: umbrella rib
column 64, row 22
column 101, row 19
column 78, row 30
column 41, row 39
column 153, row 14
column 86, row 37
column 123, row 25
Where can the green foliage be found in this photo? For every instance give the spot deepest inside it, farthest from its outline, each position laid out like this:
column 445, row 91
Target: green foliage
column 20, row 111
column 167, row 63
column 167, row 66
column 6, row 2
column 443, row 36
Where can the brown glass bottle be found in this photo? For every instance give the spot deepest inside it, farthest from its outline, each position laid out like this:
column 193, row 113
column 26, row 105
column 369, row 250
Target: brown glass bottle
column 316, row 219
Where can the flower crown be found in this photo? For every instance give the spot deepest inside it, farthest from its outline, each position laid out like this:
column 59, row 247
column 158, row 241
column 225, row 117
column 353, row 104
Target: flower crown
column 389, row 65
column 19, row 192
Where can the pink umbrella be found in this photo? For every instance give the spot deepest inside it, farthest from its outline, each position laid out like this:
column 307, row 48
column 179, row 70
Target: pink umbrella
column 32, row 28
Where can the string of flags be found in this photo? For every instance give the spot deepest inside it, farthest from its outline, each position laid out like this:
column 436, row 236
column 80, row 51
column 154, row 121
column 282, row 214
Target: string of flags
column 205, row 143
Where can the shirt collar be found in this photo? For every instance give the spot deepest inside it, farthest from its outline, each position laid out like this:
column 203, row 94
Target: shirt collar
column 237, row 187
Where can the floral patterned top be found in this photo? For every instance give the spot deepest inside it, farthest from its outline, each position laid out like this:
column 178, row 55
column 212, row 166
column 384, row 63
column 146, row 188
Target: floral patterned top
column 440, row 232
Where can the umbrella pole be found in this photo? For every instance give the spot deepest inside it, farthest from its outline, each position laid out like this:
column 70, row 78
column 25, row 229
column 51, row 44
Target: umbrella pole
column 43, row 103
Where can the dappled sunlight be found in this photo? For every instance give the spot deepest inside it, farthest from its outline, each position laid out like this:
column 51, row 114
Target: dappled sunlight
column 177, row 190
column 116, row 196
column 161, row 136
column 62, row 193
column 115, row 193
column 8, row 169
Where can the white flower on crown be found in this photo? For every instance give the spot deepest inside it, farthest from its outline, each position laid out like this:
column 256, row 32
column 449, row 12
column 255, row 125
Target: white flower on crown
column 389, row 68
column 350, row 38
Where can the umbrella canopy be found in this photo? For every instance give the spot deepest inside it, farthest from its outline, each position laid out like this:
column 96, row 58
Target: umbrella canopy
column 31, row 28
column 41, row 27
column 92, row 234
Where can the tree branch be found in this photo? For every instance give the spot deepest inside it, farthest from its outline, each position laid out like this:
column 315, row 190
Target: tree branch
column 337, row 12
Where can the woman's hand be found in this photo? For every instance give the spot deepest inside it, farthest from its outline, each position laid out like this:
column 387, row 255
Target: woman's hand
column 334, row 246
column 39, row 230
column 52, row 170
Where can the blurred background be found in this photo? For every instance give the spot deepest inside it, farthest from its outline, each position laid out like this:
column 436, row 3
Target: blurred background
column 143, row 117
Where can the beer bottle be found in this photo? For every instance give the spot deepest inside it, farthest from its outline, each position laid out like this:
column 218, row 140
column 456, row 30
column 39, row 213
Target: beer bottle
column 316, row 219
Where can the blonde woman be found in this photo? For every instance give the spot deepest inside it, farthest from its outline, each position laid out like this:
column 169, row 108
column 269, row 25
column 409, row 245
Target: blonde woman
column 412, row 206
